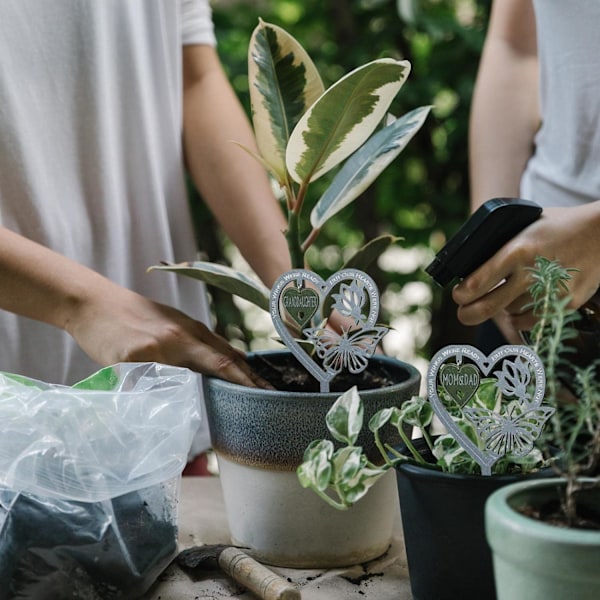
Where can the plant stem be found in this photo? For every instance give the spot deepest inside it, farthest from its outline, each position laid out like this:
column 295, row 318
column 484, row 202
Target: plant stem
column 411, row 447
column 331, row 501
column 293, row 233
column 381, row 448
column 310, row 239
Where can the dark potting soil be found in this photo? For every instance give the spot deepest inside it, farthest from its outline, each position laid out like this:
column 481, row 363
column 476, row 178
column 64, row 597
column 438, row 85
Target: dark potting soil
column 286, row 374
column 552, row 514
column 63, row 550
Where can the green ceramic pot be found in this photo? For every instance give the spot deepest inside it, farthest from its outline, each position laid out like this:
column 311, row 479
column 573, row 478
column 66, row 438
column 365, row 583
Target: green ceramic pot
column 537, row 561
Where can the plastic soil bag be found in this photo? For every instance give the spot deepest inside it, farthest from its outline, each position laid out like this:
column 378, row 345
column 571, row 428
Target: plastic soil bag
column 89, row 481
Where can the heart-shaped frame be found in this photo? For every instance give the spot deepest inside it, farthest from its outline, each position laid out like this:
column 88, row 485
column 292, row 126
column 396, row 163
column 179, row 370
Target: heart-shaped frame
column 297, row 279
column 523, row 355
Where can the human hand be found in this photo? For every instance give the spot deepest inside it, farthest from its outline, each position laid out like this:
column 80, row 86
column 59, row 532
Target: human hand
column 123, row 326
column 568, row 235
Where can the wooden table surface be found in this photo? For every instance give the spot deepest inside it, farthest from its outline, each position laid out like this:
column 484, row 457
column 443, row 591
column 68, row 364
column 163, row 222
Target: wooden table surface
column 202, row 521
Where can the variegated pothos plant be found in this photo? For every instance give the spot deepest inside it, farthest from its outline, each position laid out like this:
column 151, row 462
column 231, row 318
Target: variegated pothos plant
column 303, row 131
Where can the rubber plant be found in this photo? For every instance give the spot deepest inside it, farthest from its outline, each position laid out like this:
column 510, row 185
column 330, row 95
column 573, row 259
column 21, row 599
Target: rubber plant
column 303, row 132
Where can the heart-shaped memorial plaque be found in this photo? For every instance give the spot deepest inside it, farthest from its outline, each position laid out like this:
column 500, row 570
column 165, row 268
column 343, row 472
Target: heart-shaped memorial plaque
column 516, row 418
column 301, row 295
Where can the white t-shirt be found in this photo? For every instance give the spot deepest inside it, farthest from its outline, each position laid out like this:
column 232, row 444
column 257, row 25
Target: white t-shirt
column 91, row 153
column 565, row 169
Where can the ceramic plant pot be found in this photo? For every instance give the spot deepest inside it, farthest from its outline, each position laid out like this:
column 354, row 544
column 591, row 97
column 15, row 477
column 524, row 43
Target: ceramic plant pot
column 260, row 436
column 537, row 561
column 444, row 535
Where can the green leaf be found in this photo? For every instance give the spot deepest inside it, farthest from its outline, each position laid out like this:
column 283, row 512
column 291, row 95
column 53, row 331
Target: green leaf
column 347, row 462
column 345, row 418
column 284, row 82
column 487, row 395
column 416, row 412
column 343, row 118
column 370, row 252
column 380, row 418
column 316, row 470
column 222, row 277
column 366, row 164
column 352, row 491
column 105, row 380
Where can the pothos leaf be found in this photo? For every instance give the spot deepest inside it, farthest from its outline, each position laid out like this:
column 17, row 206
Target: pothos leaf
column 316, row 470
column 345, row 418
column 380, row 418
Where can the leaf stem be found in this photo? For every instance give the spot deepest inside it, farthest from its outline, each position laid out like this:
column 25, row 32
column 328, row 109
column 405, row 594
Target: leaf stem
column 310, row 239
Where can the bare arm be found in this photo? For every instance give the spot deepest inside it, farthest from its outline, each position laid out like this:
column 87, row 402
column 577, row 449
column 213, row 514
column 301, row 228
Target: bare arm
column 110, row 323
column 503, row 123
column 232, row 182
column 504, row 111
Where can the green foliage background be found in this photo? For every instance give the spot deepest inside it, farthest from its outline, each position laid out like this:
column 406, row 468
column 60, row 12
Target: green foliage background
column 423, row 195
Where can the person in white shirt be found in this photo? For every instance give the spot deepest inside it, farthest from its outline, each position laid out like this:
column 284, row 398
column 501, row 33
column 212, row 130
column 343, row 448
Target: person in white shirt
column 103, row 105
column 535, row 133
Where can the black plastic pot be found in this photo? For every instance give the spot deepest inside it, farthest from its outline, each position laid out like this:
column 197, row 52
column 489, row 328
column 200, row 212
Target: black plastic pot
column 444, row 533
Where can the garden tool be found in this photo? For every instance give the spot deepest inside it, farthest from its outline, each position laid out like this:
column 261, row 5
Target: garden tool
column 248, row 572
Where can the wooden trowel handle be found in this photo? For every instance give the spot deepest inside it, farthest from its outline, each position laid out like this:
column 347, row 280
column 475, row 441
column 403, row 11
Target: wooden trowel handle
column 256, row 577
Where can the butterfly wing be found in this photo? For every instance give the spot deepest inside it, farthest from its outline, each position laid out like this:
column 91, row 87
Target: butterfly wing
column 491, row 429
column 350, row 349
column 513, row 433
column 529, row 426
column 328, row 346
column 361, row 346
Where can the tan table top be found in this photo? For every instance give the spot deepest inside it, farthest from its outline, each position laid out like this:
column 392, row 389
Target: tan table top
column 202, row 521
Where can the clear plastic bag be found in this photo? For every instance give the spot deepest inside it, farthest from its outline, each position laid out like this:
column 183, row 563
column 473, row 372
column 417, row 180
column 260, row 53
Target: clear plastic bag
column 89, row 480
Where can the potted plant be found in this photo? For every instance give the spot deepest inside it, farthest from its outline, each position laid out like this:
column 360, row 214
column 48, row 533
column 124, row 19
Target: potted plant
column 545, row 535
column 442, row 492
column 304, row 131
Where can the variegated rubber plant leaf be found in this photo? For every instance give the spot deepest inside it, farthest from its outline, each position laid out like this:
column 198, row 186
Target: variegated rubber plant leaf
column 366, row 164
column 343, row 118
column 284, row 82
column 224, row 278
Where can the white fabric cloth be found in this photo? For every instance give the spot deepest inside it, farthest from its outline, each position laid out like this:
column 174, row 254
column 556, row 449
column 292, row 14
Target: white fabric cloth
column 564, row 169
column 91, row 153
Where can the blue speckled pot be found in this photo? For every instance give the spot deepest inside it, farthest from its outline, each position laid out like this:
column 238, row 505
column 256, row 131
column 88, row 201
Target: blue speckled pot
column 260, row 437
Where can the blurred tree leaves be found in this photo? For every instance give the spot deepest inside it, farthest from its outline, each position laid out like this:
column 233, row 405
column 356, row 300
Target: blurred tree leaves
column 423, row 196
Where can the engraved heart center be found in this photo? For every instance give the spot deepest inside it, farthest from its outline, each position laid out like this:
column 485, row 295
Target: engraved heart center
column 460, row 382
column 300, row 304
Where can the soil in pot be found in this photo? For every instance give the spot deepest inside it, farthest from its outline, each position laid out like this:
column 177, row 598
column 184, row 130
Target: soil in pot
column 551, row 513
column 285, row 373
